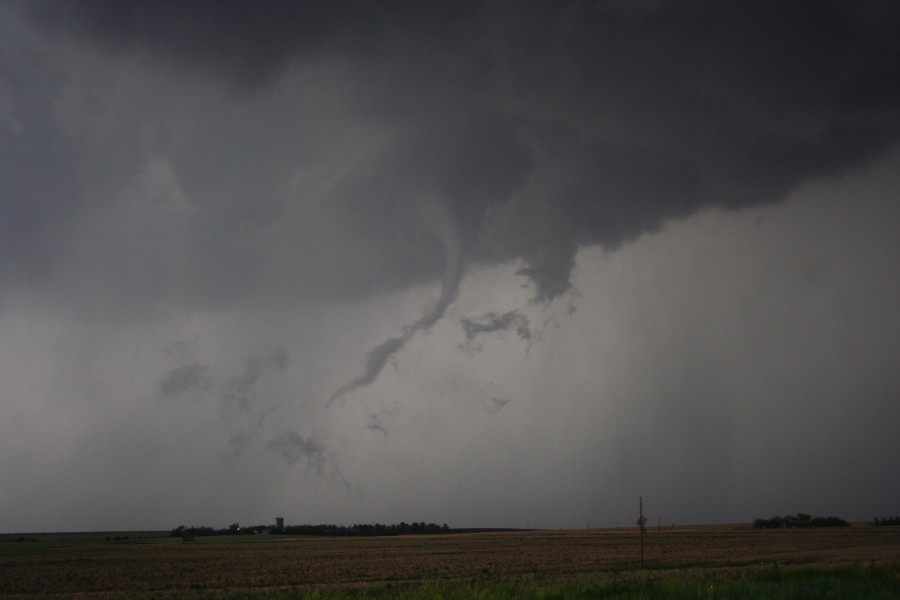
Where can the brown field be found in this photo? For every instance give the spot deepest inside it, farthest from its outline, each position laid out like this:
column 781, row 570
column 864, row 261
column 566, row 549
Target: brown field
column 85, row 566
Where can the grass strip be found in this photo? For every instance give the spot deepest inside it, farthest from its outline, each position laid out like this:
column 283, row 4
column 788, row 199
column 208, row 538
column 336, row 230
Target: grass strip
column 875, row 582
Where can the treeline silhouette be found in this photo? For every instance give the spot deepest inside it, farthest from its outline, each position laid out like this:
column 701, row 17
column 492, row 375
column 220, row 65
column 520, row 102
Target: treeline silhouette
column 887, row 521
column 800, row 520
column 366, row 529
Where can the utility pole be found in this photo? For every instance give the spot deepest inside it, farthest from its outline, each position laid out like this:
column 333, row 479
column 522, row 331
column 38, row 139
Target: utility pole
column 642, row 520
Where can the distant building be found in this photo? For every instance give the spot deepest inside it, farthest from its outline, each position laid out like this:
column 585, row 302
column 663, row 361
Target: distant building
column 279, row 523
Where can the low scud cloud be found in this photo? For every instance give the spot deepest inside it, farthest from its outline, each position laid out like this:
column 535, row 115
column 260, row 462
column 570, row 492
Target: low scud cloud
column 476, row 262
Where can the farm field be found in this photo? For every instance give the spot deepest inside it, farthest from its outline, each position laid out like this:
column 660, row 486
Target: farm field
column 153, row 565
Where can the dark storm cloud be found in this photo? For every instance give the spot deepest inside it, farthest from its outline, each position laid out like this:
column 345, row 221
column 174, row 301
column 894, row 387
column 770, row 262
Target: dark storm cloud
column 535, row 128
column 27, row 196
column 334, row 178
column 648, row 115
column 247, row 43
column 544, row 125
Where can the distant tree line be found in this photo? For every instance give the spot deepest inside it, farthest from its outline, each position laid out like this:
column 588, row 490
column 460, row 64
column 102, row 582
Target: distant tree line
column 192, row 531
column 887, row 521
column 798, row 520
column 401, row 528
column 368, row 529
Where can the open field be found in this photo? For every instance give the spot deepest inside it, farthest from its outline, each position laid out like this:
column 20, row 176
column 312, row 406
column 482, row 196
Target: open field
column 150, row 565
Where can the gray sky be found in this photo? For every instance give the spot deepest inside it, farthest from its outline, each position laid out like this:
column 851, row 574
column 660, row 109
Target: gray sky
column 482, row 263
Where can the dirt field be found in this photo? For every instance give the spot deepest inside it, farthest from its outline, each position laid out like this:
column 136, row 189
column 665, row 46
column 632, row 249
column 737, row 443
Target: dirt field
column 224, row 566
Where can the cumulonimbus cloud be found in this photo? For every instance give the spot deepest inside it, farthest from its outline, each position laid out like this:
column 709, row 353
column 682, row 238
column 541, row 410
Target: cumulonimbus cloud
column 550, row 128
column 546, row 129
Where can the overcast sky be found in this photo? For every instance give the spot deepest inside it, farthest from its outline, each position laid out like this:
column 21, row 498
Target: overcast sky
column 476, row 263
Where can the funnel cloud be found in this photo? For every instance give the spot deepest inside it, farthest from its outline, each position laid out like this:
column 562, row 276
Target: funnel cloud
column 218, row 218
column 378, row 356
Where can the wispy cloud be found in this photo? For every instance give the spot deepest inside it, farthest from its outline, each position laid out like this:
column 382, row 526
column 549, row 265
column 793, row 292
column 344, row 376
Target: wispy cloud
column 191, row 379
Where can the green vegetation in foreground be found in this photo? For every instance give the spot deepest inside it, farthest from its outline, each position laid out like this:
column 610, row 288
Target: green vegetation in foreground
column 875, row 582
column 35, row 543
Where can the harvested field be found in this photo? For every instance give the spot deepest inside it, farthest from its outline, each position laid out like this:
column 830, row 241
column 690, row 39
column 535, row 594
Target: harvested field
column 258, row 566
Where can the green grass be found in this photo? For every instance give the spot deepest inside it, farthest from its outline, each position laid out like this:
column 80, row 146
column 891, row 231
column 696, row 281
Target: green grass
column 72, row 538
column 875, row 582
column 40, row 541
column 86, row 562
